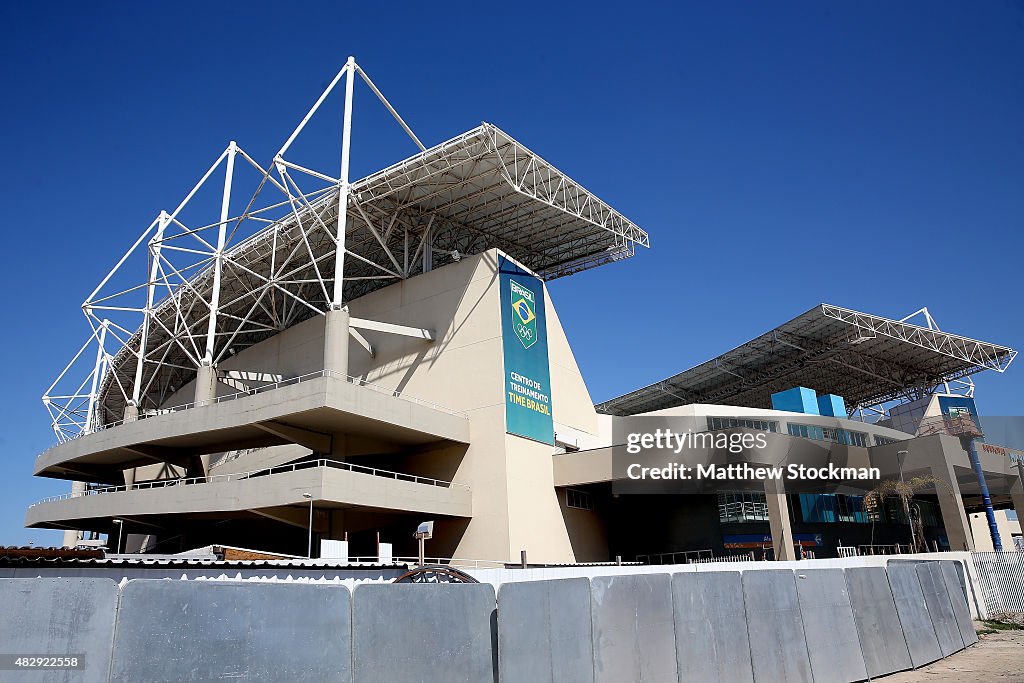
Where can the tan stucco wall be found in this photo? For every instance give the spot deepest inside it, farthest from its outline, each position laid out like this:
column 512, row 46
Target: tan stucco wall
column 1007, row 530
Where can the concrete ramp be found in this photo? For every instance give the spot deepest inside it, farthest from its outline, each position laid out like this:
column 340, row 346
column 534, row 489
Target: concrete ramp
column 878, row 624
column 778, row 649
column 544, row 632
column 711, row 628
column 428, row 633
column 915, row 618
column 634, row 637
column 831, row 632
column 58, row 617
column 197, row 631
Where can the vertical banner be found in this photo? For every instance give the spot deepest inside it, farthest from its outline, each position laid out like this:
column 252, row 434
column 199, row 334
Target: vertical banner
column 525, row 343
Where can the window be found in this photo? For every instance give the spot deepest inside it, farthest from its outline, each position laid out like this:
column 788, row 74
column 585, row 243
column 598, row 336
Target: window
column 716, row 423
column 858, row 439
column 832, row 507
column 742, row 507
column 806, row 431
column 835, row 435
column 578, row 499
column 883, row 440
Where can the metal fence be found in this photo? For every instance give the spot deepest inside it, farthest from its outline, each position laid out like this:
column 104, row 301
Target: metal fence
column 1001, row 581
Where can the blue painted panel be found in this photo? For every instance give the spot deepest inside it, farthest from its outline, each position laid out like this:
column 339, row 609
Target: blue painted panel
column 796, row 400
column 832, row 405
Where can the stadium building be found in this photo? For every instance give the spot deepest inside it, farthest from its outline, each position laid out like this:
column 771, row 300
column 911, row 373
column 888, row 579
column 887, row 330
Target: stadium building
column 326, row 360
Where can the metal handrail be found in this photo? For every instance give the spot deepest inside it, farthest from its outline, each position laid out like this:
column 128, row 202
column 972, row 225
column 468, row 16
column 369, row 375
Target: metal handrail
column 358, row 381
column 239, row 476
column 745, row 509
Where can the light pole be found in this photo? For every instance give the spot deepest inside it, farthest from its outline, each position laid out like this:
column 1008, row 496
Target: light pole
column 309, row 546
column 900, row 457
column 120, row 530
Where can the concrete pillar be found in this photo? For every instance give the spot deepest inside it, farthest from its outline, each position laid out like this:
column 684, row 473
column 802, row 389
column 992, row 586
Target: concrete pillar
column 951, row 504
column 72, row 536
column 778, row 518
column 206, row 391
column 131, row 414
column 336, row 333
column 206, row 385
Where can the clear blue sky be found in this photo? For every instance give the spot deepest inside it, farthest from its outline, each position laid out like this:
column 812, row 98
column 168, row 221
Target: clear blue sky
column 866, row 154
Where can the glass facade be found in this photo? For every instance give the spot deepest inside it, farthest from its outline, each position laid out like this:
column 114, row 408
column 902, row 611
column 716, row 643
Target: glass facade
column 819, row 508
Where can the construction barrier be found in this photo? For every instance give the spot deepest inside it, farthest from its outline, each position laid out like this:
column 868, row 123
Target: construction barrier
column 820, row 625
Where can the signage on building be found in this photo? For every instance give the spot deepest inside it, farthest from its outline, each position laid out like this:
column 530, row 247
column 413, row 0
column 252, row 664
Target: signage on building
column 754, row 541
column 525, row 344
column 1016, row 457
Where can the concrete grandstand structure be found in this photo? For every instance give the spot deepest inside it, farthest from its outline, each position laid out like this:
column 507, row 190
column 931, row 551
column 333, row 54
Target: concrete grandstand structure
column 348, row 357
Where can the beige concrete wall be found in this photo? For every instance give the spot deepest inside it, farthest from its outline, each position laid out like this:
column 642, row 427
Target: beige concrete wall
column 514, row 501
column 983, row 539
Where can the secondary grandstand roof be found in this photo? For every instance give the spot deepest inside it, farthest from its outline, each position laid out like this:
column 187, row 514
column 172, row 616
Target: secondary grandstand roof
column 866, row 359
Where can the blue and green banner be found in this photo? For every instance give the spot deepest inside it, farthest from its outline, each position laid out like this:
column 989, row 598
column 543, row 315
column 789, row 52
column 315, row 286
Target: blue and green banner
column 525, row 342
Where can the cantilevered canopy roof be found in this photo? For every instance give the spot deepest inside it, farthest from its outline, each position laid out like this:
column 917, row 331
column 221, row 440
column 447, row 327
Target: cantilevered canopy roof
column 866, row 359
column 478, row 191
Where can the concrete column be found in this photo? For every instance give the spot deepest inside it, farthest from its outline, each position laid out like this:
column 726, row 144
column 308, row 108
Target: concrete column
column 336, row 332
column 778, row 518
column 206, row 391
column 951, row 504
column 206, row 385
column 72, row 536
column 131, row 414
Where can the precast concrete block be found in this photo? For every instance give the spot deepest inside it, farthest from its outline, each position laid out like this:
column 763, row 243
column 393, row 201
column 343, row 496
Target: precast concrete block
column 544, row 632
column 878, row 624
column 711, row 627
column 633, row 628
column 58, row 618
column 193, row 631
column 775, row 628
column 829, row 628
column 429, row 633
column 912, row 608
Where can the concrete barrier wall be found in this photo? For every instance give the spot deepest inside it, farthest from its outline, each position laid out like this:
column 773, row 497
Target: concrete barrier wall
column 833, row 645
column 711, row 628
column 940, row 608
column 545, row 632
column 878, row 624
column 778, row 648
column 426, row 633
column 58, row 617
column 188, row 632
column 633, row 628
column 915, row 618
column 818, row 625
